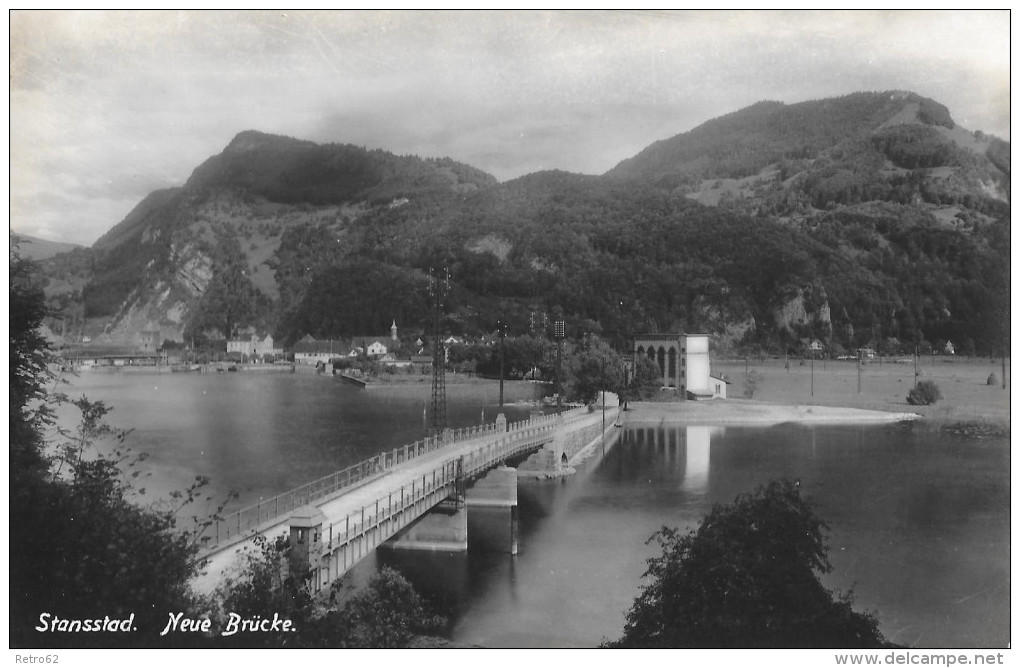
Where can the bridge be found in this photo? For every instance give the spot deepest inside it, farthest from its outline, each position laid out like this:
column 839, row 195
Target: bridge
column 413, row 497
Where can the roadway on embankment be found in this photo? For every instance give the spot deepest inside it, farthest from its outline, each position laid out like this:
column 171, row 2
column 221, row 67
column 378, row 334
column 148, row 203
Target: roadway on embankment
column 338, row 508
column 743, row 411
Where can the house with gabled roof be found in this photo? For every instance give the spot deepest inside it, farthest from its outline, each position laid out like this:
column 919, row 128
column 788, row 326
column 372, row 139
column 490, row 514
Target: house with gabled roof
column 311, row 351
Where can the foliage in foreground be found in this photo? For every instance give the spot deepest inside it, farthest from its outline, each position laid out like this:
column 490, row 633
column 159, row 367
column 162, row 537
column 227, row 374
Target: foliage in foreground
column 388, row 613
column 747, row 577
column 79, row 548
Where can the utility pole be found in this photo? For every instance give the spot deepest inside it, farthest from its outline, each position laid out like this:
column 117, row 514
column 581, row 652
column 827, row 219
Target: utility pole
column 501, row 327
column 603, row 404
column 559, row 332
column 1004, row 361
column 438, row 289
column 627, row 362
column 812, row 372
column 916, row 372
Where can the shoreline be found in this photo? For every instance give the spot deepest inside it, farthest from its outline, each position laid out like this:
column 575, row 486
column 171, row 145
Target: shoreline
column 745, row 411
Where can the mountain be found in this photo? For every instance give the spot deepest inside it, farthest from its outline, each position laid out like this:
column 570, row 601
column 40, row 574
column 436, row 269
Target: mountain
column 151, row 270
column 744, row 142
column 864, row 147
column 871, row 219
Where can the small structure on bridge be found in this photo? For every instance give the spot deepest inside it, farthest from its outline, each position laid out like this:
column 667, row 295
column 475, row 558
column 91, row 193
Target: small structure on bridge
column 306, row 546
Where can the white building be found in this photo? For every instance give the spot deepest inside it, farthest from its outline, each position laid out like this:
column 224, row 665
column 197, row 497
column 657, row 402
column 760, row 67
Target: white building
column 371, row 346
column 254, row 346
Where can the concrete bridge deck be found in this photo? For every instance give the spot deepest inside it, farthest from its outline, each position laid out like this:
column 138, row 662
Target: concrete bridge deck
column 387, row 494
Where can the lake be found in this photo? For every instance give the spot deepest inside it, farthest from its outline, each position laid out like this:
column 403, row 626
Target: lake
column 919, row 522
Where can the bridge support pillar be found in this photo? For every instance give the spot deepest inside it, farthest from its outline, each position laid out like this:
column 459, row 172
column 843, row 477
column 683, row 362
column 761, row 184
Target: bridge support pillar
column 492, row 511
column 551, row 460
column 442, row 529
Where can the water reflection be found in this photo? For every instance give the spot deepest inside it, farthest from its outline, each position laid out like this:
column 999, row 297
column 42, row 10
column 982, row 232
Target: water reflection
column 685, row 450
column 699, row 450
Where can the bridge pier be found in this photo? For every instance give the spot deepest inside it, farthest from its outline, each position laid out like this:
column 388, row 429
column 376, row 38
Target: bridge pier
column 492, row 511
column 442, row 529
column 571, row 438
column 486, row 516
column 551, row 459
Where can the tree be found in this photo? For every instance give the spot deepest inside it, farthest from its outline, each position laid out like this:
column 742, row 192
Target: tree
column 29, row 356
column 386, row 614
column 521, row 354
column 746, row 577
column 590, row 367
column 751, row 383
column 262, row 586
column 647, row 381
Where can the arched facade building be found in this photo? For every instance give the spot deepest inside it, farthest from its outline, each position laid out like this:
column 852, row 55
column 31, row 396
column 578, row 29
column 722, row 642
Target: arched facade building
column 683, row 361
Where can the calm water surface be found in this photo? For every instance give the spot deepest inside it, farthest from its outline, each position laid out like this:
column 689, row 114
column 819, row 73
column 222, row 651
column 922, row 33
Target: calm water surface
column 919, row 523
column 261, row 434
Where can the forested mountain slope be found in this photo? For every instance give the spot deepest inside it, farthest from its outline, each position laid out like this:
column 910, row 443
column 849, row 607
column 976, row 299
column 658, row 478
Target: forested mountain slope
column 871, row 219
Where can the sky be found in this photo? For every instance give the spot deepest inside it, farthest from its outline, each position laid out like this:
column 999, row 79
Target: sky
column 107, row 106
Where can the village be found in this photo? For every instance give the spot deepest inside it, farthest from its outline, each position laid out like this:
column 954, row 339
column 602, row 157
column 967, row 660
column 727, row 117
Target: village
column 412, row 354
column 148, row 352
column 389, row 352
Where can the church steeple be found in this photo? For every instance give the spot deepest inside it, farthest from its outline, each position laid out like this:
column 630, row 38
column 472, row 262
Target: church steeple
column 393, row 330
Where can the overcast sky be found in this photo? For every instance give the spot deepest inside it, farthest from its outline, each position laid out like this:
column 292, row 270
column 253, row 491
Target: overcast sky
column 108, row 106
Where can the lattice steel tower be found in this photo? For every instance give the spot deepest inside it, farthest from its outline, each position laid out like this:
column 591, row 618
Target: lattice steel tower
column 439, row 287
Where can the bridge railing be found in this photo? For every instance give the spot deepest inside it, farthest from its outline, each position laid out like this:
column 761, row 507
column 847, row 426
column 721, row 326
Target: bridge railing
column 356, row 524
column 246, row 519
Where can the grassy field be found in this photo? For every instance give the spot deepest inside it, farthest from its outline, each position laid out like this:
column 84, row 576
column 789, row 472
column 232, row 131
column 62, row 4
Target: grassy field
column 966, row 396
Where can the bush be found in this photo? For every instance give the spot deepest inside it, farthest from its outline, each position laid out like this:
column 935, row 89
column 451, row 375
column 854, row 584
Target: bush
column 925, row 394
column 992, row 380
column 751, row 384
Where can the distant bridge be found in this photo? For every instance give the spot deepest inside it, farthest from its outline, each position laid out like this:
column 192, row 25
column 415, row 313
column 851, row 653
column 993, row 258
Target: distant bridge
column 336, row 521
